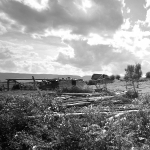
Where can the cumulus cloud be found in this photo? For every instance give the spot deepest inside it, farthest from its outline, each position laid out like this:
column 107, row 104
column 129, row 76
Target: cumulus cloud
column 2, row 29
column 100, row 15
column 5, row 53
column 86, row 35
column 134, row 6
column 23, row 59
column 8, row 65
column 96, row 57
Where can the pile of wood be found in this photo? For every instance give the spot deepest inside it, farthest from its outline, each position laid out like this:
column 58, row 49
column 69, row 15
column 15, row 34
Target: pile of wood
column 84, row 99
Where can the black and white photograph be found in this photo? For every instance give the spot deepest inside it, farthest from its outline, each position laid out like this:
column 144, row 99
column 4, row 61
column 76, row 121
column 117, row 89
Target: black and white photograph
column 74, row 74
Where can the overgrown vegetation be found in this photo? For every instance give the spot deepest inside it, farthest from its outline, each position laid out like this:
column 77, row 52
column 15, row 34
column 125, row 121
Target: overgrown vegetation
column 117, row 77
column 30, row 121
column 112, row 77
column 76, row 89
column 148, row 75
column 132, row 75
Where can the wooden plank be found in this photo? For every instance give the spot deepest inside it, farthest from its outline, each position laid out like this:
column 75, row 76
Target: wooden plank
column 77, row 104
column 116, row 113
column 81, row 94
column 62, row 114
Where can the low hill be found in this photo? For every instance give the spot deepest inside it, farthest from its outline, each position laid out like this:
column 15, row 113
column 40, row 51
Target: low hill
column 4, row 76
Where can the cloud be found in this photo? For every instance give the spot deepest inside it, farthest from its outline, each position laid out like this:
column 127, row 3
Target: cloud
column 5, row 53
column 100, row 15
column 80, row 36
column 23, row 59
column 145, row 65
column 137, row 10
column 7, row 66
column 97, row 57
column 2, row 29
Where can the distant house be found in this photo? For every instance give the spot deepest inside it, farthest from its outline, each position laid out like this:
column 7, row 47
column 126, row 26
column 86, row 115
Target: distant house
column 100, row 79
column 99, row 76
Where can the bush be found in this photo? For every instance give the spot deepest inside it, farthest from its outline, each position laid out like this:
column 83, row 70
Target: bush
column 75, row 89
column 112, row 77
column 117, row 77
column 131, row 94
column 91, row 82
column 148, row 75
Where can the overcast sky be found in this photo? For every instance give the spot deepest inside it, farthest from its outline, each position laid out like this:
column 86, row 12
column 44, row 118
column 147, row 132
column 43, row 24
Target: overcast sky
column 78, row 37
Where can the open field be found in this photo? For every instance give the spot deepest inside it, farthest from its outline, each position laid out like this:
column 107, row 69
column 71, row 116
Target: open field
column 144, row 87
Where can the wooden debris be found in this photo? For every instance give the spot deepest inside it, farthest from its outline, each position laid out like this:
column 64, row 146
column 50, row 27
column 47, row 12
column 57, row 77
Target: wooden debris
column 114, row 114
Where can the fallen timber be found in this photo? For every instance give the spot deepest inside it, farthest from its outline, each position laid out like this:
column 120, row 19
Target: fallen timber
column 82, row 94
column 84, row 102
column 94, row 100
column 111, row 114
column 90, row 99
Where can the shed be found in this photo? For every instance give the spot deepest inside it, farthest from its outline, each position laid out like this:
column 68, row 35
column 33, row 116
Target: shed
column 99, row 76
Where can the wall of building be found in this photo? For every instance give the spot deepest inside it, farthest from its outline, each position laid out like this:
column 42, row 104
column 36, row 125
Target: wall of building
column 68, row 84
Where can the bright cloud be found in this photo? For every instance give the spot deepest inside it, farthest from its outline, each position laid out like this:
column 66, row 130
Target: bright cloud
column 100, row 15
column 80, row 36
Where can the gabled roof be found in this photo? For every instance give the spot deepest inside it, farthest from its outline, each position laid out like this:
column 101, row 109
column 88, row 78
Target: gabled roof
column 98, row 76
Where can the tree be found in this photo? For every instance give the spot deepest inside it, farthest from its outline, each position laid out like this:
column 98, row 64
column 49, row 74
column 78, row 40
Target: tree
column 129, row 75
column 148, row 75
column 117, row 77
column 133, row 74
column 112, row 77
column 137, row 73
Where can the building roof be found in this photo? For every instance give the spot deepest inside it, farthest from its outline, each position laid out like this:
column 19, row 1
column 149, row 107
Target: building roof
column 98, row 76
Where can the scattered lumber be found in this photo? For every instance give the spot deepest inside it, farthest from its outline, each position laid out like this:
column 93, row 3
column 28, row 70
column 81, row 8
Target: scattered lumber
column 77, row 104
column 82, row 94
column 89, row 99
column 67, row 114
column 121, row 114
column 113, row 114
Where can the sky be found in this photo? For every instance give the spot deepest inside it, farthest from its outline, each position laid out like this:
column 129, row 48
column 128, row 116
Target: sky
column 76, row 37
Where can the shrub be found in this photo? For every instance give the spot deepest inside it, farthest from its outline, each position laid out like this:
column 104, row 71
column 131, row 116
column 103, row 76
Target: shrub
column 75, row 89
column 112, row 77
column 148, row 75
column 117, row 77
column 131, row 94
column 92, row 82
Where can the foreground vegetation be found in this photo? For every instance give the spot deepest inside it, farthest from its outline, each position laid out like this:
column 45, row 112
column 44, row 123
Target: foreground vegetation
column 30, row 122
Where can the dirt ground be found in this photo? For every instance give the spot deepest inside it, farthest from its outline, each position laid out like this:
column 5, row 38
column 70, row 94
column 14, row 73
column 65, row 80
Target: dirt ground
column 144, row 87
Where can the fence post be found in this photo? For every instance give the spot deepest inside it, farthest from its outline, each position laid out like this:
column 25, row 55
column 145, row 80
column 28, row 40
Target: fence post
column 8, row 85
